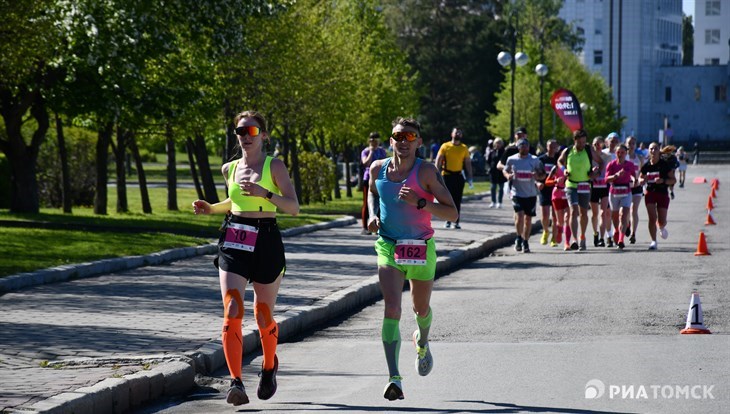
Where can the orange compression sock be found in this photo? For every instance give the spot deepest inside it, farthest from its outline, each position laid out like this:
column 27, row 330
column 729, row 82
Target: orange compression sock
column 269, row 333
column 232, row 336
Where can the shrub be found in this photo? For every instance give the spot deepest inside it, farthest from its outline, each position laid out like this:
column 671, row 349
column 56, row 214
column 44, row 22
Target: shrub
column 318, row 177
column 81, row 148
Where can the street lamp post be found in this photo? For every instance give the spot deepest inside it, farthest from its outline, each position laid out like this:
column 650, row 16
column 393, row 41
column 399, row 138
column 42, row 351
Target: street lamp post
column 506, row 58
column 541, row 70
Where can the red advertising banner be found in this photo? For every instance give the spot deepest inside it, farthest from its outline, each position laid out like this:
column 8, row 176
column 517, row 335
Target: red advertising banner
column 566, row 105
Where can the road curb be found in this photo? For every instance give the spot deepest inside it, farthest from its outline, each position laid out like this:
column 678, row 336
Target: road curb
column 90, row 269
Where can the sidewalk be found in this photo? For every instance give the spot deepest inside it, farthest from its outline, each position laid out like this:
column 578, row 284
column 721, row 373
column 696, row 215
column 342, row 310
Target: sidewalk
column 117, row 341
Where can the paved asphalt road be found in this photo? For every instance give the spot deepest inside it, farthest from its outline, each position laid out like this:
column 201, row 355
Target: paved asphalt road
column 531, row 333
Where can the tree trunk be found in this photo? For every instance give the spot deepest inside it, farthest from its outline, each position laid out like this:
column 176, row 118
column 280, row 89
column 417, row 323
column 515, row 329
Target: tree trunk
column 348, row 177
column 333, row 151
column 171, row 169
column 294, row 164
column 206, row 175
column 119, row 161
column 229, row 145
column 22, row 158
column 65, row 178
column 146, row 206
column 193, row 171
column 102, row 158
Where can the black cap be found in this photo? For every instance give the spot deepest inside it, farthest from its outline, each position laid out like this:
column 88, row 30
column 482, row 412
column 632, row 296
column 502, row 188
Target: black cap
column 521, row 130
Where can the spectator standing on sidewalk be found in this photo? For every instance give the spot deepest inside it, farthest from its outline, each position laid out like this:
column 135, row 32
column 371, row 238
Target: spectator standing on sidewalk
column 251, row 250
column 372, row 153
column 696, row 154
column 452, row 159
column 496, row 178
column 406, row 250
column 523, row 170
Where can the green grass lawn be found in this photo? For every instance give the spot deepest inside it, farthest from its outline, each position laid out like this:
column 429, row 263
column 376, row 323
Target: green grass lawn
column 25, row 249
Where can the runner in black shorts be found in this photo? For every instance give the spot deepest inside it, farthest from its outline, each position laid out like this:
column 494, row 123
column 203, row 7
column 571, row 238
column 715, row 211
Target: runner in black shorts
column 251, row 249
column 549, row 160
column 600, row 213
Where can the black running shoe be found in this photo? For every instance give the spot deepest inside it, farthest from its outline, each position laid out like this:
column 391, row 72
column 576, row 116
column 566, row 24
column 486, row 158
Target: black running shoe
column 601, row 243
column 518, row 244
column 632, row 239
column 574, row 246
column 525, row 247
column 267, row 383
column 595, row 239
column 627, row 233
column 609, row 243
column 621, row 245
column 672, row 194
column 236, row 394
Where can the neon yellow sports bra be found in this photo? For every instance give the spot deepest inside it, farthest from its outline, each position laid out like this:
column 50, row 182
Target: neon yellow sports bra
column 243, row 203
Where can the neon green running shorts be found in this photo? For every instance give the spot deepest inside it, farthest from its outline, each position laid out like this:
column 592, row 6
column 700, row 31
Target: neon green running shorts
column 386, row 250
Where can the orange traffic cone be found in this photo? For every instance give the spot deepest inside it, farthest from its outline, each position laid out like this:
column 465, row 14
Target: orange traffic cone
column 712, row 193
column 715, row 184
column 710, row 205
column 702, row 246
column 709, row 220
column 695, row 323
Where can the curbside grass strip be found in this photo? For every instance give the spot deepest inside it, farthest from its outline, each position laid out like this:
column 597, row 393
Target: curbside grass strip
column 89, row 269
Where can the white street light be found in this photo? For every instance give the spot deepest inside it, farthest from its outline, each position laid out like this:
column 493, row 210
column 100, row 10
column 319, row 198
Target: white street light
column 521, row 59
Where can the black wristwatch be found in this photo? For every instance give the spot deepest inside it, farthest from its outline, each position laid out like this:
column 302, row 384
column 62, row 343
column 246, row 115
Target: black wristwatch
column 421, row 203
column 269, row 195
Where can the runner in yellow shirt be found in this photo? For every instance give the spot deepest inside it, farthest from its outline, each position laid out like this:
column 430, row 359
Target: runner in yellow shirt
column 452, row 159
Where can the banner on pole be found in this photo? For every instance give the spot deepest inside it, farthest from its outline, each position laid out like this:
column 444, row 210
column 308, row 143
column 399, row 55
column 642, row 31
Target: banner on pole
column 566, row 105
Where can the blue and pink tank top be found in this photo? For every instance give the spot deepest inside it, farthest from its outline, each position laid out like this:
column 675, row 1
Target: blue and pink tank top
column 398, row 219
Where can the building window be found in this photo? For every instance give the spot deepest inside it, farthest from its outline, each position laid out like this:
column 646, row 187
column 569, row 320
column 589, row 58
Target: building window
column 712, row 8
column 598, row 57
column 720, row 93
column 668, row 94
column 712, row 37
column 712, row 61
column 698, row 93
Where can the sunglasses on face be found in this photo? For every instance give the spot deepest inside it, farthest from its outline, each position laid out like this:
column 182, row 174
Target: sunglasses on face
column 407, row 136
column 250, row 130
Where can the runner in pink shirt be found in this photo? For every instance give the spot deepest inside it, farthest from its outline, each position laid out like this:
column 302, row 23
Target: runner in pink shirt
column 556, row 178
column 621, row 174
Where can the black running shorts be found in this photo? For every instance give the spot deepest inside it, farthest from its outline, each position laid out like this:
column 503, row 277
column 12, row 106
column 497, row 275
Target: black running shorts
column 265, row 263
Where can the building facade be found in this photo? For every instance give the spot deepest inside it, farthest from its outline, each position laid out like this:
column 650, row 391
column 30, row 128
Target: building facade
column 638, row 51
column 712, row 31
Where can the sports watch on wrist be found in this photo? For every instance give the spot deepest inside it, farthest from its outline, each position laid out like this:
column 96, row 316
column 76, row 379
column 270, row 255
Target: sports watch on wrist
column 269, row 195
column 421, row 203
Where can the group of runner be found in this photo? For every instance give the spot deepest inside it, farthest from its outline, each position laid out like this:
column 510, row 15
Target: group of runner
column 607, row 179
column 404, row 191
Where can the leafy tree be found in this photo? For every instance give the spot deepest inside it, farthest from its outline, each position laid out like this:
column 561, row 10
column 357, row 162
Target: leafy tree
column 453, row 45
column 28, row 70
column 688, row 41
column 545, row 35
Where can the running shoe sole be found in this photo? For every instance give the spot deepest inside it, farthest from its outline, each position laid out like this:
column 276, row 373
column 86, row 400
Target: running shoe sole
column 393, row 391
column 236, row 396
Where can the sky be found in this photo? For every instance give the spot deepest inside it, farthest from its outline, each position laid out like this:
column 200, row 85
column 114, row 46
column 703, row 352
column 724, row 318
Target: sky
column 688, row 7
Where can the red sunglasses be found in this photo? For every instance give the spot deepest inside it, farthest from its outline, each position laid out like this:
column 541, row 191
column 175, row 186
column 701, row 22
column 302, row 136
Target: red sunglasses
column 251, row 130
column 407, row 136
